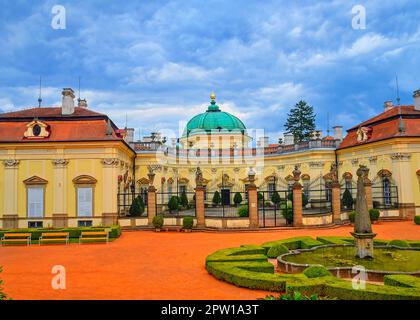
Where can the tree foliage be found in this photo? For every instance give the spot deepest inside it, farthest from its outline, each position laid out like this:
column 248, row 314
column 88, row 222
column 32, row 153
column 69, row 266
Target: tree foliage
column 301, row 121
column 137, row 207
column 216, row 198
column 237, row 199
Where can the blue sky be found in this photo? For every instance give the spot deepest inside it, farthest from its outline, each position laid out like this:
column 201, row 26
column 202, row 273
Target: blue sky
column 157, row 61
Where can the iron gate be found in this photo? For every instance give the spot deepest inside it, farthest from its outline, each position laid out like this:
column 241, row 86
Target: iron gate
column 275, row 208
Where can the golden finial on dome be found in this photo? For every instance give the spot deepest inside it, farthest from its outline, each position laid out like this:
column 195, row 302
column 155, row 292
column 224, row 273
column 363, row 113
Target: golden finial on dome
column 213, row 96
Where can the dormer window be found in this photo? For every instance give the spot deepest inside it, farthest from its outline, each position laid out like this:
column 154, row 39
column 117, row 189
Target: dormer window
column 37, row 130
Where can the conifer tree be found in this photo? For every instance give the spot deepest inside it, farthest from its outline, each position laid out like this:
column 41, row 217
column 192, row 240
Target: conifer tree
column 301, row 121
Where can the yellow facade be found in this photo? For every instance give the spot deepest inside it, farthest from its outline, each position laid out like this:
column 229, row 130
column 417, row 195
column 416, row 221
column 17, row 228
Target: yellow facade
column 60, row 164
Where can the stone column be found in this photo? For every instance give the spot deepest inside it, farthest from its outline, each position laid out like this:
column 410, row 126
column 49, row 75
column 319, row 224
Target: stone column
column 252, row 200
column 199, row 206
column 297, row 205
column 151, row 203
column 110, row 190
column 297, row 199
column 368, row 191
column 336, row 202
column 402, row 172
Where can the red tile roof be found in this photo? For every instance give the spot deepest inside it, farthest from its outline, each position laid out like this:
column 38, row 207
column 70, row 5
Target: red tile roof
column 50, row 112
column 82, row 125
column 386, row 125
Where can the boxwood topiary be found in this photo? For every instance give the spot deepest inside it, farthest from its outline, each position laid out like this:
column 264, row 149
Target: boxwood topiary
column 158, row 221
column 243, row 211
column 316, row 272
column 352, row 216
column 374, row 214
column 417, row 220
column 399, row 243
column 277, row 250
column 187, row 222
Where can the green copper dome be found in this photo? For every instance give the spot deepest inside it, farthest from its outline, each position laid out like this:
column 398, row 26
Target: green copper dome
column 214, row 120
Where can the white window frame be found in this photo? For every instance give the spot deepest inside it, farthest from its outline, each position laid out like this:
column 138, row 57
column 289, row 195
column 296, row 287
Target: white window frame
column 41, row 211
column 78, row 202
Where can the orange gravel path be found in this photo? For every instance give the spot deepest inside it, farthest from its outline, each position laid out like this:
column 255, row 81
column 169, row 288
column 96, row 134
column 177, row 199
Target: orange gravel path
column 147, row 265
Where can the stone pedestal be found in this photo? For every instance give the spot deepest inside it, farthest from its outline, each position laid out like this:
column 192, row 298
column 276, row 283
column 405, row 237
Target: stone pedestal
column 407, row 211
column 199, row 206
column 336, row 203
column 151, row 204
column 10, row 221
column 364, row 244
column 109, row 219
column 59, row 220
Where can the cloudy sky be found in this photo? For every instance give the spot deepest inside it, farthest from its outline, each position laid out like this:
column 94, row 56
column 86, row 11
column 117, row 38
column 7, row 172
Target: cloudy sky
column 156, row 62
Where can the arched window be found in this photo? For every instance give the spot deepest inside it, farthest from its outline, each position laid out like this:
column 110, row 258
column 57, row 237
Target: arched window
column 386, row 191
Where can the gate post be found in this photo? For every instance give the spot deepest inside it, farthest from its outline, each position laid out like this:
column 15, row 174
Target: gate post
column 151, row 199
column 199, row 206
column 252, row 201
column 336, row 202
column 297, row 199
column 368, row 190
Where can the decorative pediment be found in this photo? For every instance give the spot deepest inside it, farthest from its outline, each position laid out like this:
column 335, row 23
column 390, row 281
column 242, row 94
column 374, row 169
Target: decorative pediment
column 226, row 181
column 305, row 177
column 143, row 181
column 183, row 180
column 271, row 178
column 384, row 173
column 328, row 177
column 347, row 176
column 84, row 179
column 289, row 178
column 35, row 180
column 37, row 130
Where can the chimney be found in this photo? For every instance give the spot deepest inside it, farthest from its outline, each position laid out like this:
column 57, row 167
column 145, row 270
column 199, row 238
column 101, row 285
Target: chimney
column 67, row 106
column 263, row 142
column 416, row 96
column 338, row 132
column 387, row 105
column 289, row 139
column 129, row 136
column 82, row 103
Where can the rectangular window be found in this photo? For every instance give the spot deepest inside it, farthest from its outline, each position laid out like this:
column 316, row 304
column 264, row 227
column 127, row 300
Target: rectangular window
column 182, row 189
column 271, row 189
column 84, row 201
column 35, row 202
column 84, row 223
column 35, row 224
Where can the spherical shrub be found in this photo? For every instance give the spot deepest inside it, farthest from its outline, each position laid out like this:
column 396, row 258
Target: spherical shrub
column 417, row 220
column 158, row 221
column 399, row 243
column 374, row 214
column 243, row 211
column 352, row 216
column 277, row 250
column 316, row 272
column 187, row 222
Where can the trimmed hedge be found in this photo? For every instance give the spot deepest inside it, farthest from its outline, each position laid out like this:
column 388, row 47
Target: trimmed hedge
column 417, row 220
column 294, row 243
column 247, row 266
column 114, row 231
column 187, row 222
column 402, row 280
column 277, row 250
column 399, row 243
column 316, row 272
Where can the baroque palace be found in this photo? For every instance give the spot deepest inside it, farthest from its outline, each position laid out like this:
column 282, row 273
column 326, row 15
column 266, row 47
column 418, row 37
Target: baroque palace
column 71, row 166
